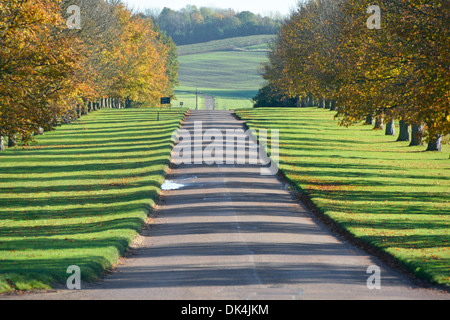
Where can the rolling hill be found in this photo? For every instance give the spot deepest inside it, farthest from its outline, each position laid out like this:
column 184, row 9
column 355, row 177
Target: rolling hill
column 225, row 69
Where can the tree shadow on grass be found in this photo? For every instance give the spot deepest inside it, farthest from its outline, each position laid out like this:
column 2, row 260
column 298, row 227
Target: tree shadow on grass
column 82, row 224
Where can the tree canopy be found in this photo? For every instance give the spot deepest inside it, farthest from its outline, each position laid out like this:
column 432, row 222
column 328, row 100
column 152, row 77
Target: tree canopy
column 48, row 70
column 400, row 71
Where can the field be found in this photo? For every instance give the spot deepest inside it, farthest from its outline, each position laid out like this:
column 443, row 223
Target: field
column 81, row 195
column 226, row 69
column 388, row 194
column 250, row 42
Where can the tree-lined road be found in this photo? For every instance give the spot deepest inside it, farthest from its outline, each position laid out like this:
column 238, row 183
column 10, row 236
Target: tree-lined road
column 230, row 233
column 209, row 102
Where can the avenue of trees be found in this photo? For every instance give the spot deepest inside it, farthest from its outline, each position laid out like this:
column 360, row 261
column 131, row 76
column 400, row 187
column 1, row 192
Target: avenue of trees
column 56, row 65
column 326, row 54
column 192, row 25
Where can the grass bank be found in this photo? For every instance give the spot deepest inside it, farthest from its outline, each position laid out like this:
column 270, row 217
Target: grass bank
column 391, row 196
column 80, row 195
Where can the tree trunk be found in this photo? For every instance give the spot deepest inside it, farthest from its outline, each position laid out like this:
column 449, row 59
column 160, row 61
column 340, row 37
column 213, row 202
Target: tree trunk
column 310, row 101
column 435, row 143
column 333, row 105
column 405, row 132
column 12, row 141
column 390, row 128
column 379, row 123
column 417, row 135
column 369, row 120
column 2, row 143
column 305, row 102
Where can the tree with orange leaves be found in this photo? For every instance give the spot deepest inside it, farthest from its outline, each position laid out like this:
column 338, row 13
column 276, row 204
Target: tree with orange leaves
column 37, row 64
column 50, row 72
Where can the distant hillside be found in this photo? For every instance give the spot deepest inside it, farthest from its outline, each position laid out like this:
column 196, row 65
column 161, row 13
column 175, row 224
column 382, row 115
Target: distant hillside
column 225, row 69
column 192, row 25
column 250, row 43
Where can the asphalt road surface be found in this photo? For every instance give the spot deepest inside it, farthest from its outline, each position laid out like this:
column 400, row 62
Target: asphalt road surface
column 209, row 102
column 229, row 232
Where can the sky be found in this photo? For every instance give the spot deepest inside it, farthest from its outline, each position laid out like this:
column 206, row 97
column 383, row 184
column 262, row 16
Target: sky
column 263, row 7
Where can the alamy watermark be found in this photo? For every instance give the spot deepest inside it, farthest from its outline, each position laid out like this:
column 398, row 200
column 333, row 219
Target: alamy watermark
column 231, row 146
column 374, row 280
column 74, row 281
column 374, row 21
column 74, row 21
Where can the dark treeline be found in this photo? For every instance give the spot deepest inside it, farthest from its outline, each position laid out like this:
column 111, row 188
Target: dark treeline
column 192, row 25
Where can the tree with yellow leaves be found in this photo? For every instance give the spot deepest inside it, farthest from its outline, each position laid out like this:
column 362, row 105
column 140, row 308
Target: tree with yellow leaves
column 37, row 65
column 51, row 73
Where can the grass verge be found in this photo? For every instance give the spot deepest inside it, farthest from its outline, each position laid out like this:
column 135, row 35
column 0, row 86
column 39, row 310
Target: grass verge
column 389, row 195
column 81, row 195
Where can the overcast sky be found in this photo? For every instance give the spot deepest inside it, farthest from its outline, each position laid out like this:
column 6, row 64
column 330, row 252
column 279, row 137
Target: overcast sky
column 263, row 7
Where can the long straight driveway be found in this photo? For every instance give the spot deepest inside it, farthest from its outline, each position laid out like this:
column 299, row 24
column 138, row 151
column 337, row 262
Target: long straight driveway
column 230, row 233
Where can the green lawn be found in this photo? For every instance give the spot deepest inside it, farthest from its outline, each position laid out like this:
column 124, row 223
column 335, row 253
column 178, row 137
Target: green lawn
column 232, row 103
column 388, row 194
column 189, row 100
column 222, row 102
column 80, row 195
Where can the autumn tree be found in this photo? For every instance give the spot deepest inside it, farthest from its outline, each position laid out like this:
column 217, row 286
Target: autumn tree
column 37, row 66
column 402, row 68
column 140, row 68
column 325, row 51
column 50, row 73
